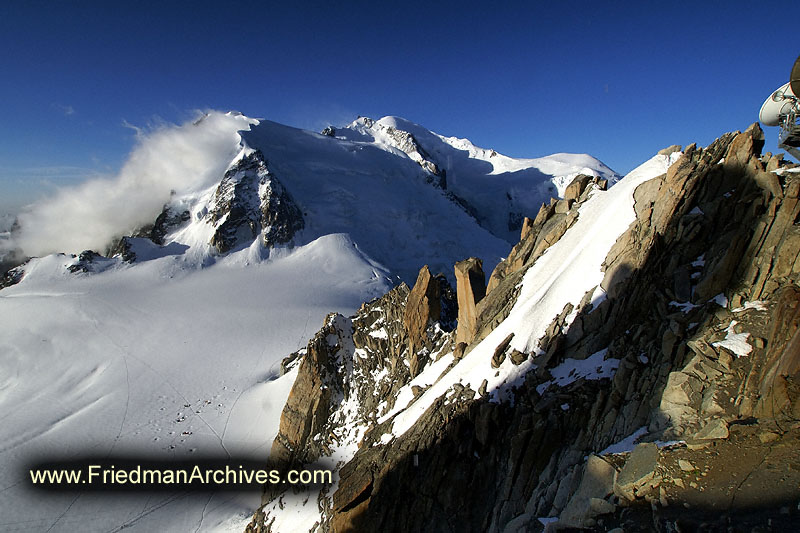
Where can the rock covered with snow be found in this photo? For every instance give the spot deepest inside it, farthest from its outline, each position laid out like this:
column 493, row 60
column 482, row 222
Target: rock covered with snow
column 250, row 201
column 446, row 198
column 662, row 308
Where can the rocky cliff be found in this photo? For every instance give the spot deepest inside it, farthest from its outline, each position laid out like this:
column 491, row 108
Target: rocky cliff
column 250, row 201
column 672, row 385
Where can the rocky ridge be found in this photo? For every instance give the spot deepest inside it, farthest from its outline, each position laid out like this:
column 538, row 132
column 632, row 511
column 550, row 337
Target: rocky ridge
column 695, row 344
column 250, row 201
column 408, row 144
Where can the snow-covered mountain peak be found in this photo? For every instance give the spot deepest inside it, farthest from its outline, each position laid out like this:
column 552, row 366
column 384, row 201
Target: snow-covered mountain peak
column 404, row 194
column 500, row 189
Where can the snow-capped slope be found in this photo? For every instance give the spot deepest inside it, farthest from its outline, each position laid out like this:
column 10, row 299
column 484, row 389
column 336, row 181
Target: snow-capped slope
column 501, row 189
column 564, row 274
column 380, row 199
column 406, row 196
column 161, row 360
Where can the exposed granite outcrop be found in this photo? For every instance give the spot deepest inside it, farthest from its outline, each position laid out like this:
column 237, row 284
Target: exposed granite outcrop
column 576, row 187
column 430, row 302
column 470, row 288
column 249, row 201
column 319, row 380
column 124, row 249
column 407, row 143
column 12, row 276
column 365, row 359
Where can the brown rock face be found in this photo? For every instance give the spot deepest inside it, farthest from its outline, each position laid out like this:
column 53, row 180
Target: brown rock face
column 527, row 226
column 308, row 405
column 670, row 149
column 470, row 288
column 250, row 200
column 545, row 212
column 423, row 306
column 780, row 375
column 576, row 187
column 563, row 206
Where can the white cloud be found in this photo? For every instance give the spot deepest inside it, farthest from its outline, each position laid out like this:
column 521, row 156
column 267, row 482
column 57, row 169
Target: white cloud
column 136, row 129
column 88, row 216
column 66, row 109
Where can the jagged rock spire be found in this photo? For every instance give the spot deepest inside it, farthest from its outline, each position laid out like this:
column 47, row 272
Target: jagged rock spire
column 470, row 288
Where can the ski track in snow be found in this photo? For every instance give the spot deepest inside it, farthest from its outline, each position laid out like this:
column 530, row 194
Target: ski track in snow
column 124, row 353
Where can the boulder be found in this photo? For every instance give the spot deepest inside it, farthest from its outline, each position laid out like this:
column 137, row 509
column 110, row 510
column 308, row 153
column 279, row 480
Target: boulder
column 669, row 150
column 518, row 357
column 588, row 500
column 563, row 206
column 639, row 469
column 500, row 351
column 576, row 187
column 458, row 352
column 716, row 429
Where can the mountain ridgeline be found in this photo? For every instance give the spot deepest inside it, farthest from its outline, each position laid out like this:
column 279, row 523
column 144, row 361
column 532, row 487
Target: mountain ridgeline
column 670, row 384
column 403, row 194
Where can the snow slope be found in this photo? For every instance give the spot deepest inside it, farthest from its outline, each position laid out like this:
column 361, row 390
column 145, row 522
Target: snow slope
column 494, row 184
column 563, row 274
column 95, row 363
column 381, row 199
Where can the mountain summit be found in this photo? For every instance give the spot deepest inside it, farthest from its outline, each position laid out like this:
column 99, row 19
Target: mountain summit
column 403, row 194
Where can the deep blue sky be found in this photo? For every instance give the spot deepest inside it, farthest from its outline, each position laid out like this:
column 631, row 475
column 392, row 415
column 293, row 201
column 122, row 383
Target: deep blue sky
column 528, row 79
